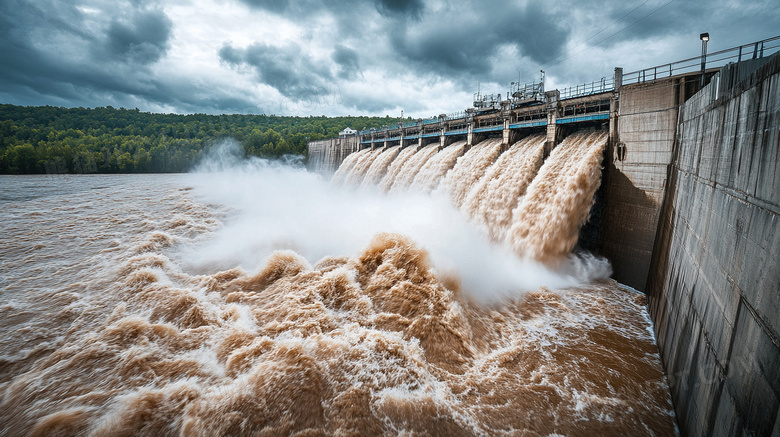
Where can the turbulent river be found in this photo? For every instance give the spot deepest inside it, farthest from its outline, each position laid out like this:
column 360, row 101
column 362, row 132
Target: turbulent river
column 261, row 299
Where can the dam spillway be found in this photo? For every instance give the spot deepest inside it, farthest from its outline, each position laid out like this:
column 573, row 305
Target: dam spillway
column 687, row 212
column 538, row 214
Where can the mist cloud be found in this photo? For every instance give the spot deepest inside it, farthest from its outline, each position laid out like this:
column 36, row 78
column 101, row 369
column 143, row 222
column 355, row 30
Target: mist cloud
column 277, row 206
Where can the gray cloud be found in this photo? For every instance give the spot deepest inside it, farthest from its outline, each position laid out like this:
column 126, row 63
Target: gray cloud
column 282, row 67
column 388, row 8
column 458, row 44
column 348, row 61
column 411, row 8
column 54, row 54
column 381, row 54
column 143, row 39
column 379, row 104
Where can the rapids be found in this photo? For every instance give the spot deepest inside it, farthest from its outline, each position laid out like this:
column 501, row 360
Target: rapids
column 265, row 300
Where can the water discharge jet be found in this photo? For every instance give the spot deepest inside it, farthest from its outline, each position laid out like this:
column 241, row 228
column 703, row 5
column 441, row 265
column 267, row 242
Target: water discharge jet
column 275, row 207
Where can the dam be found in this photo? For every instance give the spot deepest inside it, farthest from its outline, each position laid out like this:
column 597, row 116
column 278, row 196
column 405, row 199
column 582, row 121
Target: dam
column 685, row 206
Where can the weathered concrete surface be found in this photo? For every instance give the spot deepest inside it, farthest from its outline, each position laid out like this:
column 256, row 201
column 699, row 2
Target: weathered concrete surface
column 714, row 285
column 325, row 156
column 634, row 186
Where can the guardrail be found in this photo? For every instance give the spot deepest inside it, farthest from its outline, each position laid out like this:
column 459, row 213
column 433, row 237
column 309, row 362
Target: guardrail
column 758, row 49
column 456, row 115
column 587, row 89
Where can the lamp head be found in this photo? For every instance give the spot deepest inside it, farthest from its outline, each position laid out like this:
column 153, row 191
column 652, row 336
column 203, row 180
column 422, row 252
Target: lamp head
column 704, row 36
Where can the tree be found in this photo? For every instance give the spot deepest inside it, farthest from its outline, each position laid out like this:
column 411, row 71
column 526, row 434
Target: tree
column 109, row 140
column 125, row 163
column 23, row 159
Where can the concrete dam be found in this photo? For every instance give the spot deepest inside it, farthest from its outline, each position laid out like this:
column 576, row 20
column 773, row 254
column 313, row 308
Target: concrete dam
column 687, row 210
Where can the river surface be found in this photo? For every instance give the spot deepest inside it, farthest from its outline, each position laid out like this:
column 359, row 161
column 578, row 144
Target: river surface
column 267, row 301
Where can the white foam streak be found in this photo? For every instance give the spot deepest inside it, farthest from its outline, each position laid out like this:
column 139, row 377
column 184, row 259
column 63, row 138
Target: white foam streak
column 379, row 167
column 469, row 169
column 434, row 170
column 395, row 167
column 410, row 169
column 491, row 201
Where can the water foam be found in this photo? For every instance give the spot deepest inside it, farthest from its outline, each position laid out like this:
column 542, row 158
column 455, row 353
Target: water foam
column 276, row 207
column 160, row 336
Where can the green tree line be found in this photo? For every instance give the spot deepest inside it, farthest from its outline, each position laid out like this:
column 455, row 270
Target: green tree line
column 46, row 139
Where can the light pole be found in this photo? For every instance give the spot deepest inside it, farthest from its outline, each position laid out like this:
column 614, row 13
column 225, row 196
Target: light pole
column 704, row 37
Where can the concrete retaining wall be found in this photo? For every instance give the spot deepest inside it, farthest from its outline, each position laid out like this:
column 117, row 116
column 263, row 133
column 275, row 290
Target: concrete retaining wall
column 325, row 156
column 714, row 285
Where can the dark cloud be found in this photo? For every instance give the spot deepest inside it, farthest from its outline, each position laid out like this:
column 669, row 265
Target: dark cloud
column 231, row 55
column 25, row 68
column 348, row 61
column 460, row 43
column 285, row 68
column 143, row 39
column 685, row 20
column 54, row 55
column 411, row 8
column 394, row 9
column 537, row 32
column 301, row 8
column 379, row 103
column 379, row 55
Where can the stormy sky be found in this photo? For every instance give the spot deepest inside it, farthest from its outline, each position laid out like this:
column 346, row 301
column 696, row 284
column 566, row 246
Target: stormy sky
column 348, row 57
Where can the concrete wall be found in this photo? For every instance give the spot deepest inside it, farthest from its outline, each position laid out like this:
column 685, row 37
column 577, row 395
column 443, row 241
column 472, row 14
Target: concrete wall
column 714, row 287
column 634, row 186
column 325, row 156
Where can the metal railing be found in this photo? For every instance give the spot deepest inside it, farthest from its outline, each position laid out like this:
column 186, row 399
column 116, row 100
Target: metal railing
column 523, row 91
column 755, row 50
column 456, row 115
column 486, row 100
column 587, row 89
column 453, row 116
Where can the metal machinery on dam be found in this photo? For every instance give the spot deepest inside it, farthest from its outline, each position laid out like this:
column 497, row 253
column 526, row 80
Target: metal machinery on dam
column 527, row 106
column 688, row 211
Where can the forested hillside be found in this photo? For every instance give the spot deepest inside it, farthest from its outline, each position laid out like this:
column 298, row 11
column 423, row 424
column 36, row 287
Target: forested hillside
column 108, row 140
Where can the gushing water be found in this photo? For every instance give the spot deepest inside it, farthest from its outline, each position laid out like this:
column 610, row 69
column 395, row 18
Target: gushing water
column 434, row 169
column 491, row 202
column 379, row 166
column 547, row 221
column 358, row 172
column 469, row 169
column 412, row 166
column 395, row 167
column 350, row 162
column 262, row 300
column 536, row 211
